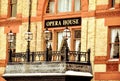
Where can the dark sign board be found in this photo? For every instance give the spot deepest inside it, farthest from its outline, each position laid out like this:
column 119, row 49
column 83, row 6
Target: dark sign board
column 63, row 22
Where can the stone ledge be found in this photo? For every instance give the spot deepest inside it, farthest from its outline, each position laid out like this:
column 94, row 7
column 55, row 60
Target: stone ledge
column 48, row 68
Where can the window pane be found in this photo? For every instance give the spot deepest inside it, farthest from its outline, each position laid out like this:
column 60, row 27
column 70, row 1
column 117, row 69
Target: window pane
column 77, row 5
column 77, row 33
column 14, row 11
column 50, row 7
column 113, row 3
column 77, row 36
column 14, row 1
column 60, row 38
column 61, row 41
column 64, row 5
column 77, row 45
column 115, row 37
column 13, row 8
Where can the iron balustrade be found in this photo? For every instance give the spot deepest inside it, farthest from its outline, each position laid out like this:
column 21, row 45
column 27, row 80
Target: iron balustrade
column 73, row 56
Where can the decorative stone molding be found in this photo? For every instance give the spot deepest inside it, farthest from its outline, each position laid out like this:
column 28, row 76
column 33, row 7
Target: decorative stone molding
column 9, row 22
column 107, row 13
column 56, row 67
column 100, row 59
column 79, row 67
column 112, row 66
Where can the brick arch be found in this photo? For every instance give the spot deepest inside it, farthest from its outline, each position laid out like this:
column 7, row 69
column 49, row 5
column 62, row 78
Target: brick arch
column 41, row 7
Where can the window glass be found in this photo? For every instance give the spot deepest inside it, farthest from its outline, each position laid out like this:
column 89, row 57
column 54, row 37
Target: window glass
column 64, row 5
column 77, row 45
column 113, row 3
column 77, row 5
column 60, row 38
column 13, row 8
column 50, row 7
column 77, row 35
column 115, row 37
column 61, row 41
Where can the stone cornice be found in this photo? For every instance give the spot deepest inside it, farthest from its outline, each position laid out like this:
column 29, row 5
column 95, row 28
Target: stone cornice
column 8, row 22
column 100, row 59
column 107, row 13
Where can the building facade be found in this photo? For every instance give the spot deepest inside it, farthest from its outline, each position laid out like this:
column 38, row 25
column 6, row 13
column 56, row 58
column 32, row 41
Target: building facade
column 93, row 24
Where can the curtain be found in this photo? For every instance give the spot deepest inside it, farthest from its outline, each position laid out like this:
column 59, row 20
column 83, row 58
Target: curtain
column 77, row 42
column 60, row 40
column 52, row 4
column 113, row 35
column 49, row 43
column 77, row 5
column 119, row 40
column 64, row 5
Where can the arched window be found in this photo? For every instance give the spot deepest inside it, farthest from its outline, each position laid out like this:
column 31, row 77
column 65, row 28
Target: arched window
column 51, row 6
column 58, row 6
column 64, row 5
column 77, row 5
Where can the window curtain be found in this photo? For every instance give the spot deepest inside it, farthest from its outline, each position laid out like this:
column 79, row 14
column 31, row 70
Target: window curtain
column 113, row 35
column 77, row 48
column 119, row 40
column 64, row 5
column 51, row 6
column 49, row 43
column 77, row 5
column 77, row 42
column 61, row 41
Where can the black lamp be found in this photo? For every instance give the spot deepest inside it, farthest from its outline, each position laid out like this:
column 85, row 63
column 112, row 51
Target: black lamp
column 66, row 35
column 47, row 38
column 28, row 36
column 10, row 40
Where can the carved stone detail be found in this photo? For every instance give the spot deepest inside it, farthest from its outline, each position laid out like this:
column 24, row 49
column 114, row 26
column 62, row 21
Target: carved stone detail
column 79, row 67
column 107, row 13
column 112, row 67
column 100, row 59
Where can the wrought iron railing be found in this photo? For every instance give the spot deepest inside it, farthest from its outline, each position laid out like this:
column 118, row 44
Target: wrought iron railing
column 73, row 56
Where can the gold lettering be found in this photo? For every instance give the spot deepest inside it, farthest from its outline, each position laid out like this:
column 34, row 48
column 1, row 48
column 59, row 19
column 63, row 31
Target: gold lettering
column 47, row 23
column 69, row 22
column 57, row 23
column 75, row 21
column 50, row 23
column 60, row 23
column 64, row 22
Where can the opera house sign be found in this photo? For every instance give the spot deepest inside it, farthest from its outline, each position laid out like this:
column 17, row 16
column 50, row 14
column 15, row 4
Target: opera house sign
column 63, row 22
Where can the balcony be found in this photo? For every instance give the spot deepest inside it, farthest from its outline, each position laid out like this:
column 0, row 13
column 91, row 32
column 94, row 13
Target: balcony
column 57, row 67
column 53, row 56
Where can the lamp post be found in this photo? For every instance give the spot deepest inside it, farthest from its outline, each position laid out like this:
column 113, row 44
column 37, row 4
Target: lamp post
column 28, row 34
column 66, row 35
column 10, row 40
column 47, row 38
column 28, row 38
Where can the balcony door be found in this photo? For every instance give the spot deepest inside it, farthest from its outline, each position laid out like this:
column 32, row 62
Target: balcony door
column 62, row 42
